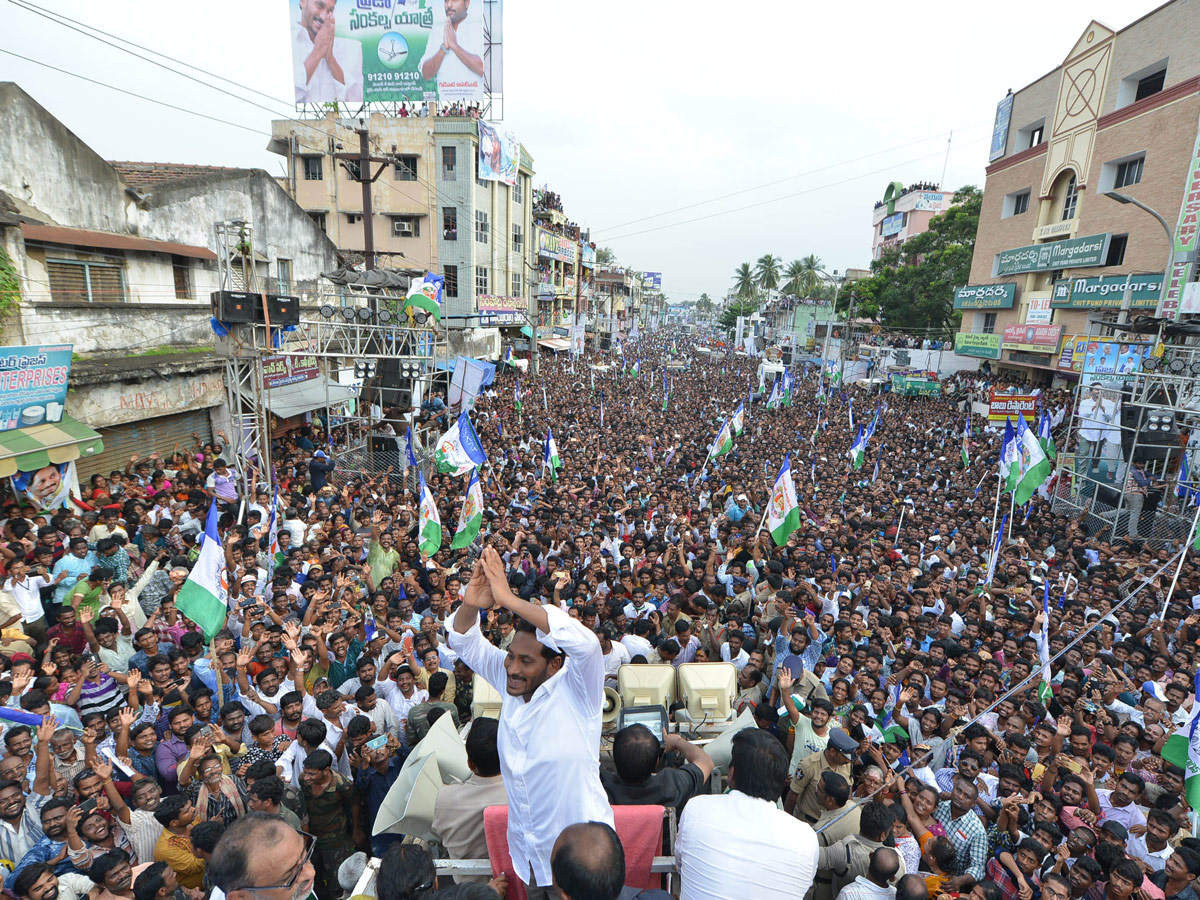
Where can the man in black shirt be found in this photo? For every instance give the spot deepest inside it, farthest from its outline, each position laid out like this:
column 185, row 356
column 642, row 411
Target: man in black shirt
column 636, row 752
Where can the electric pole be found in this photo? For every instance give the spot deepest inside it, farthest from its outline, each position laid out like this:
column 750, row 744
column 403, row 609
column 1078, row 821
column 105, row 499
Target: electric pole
column 363, row 175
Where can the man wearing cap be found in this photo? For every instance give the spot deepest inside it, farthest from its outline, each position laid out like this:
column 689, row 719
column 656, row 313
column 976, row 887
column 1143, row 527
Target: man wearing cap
column 802, row 800
column 319, row 468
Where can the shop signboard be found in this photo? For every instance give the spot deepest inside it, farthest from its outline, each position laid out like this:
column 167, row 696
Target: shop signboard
column 1072, row 253
column 33, row 384
column 1033, row 338
column 986, row 296
column 281, row 370
column 1107, row 292
column 983, row 346
column 555, row 246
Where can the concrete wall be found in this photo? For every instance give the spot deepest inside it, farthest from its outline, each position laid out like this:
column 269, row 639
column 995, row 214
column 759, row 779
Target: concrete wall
column 117, row 327
column 1169, row 31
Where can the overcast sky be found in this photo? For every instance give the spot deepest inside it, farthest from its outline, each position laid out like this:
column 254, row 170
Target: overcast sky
column 631, row 111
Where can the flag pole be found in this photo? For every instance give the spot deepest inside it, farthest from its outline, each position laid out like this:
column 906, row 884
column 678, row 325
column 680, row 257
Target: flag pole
column 996, row 509
column 1179, row 568
column 903, row 510
column 1012, row 508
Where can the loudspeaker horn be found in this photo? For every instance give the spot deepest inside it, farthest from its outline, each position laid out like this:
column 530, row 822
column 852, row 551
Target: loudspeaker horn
column 612, row 706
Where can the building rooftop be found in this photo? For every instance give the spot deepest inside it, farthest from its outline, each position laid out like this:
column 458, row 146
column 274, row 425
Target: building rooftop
column 144, row 177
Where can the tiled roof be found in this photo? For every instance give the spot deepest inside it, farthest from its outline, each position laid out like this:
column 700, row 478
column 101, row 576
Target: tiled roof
column 144, row 177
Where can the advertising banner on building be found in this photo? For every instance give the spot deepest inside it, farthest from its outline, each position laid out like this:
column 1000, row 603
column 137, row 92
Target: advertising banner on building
column 983, row 346
column 1107, row 292
column 555, row 246
column 1034, row 338
column 33, row 384
column 408, row 50
column 652, row 281
column 499, row 154
column 932, row 201
column 1005, row 406
column 1000, row 128
column 1071, row 253
column 1037, row 310
column 892, row 224
column 985, row 296
column 53, row 486
column 1186, row 238
column 505, row 308
column 281, row 370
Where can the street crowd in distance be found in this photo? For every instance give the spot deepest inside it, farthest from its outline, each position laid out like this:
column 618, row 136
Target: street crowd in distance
column 904, row 743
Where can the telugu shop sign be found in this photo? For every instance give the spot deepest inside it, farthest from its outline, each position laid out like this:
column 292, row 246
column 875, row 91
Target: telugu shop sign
column 1069, row 254
column 984, row 346
column 1034, row 338
column 985, row 296
column 1010, row 406
column 1107, row 292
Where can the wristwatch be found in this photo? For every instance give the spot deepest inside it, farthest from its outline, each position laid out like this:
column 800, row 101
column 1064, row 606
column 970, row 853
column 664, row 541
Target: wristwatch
column 445, row 49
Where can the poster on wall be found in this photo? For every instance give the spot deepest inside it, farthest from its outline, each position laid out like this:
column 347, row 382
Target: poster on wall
column 499, row 154
column 33, row 384
column 53, row 486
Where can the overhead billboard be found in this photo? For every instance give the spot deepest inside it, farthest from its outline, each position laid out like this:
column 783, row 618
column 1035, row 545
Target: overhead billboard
column 499, row 154
column 555, row 246
column 33, row 384
column 1000, row 128
column 652, row 281
column 396, row 50
column 1118, row 358
column 892, row 224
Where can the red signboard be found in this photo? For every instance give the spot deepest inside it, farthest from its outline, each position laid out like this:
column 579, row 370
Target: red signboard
column 281, row 370
column 1009, row 406
column 1033, row 338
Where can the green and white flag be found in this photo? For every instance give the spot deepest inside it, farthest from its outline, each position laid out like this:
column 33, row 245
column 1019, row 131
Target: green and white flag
column 1031, row 468
column 783, row 515
column 858, row 449
column 429, row 537
column 787, row 388
column 835, row 377
column 739, row 418
column 1183, row 749
column 637, row 369
column 550, row 458
column 458, row 450
column 517, row 398
column 1045, row 691
column 723, row 442
column 776, row 397
column 471, row 516
column 204, row 597
column 1045, row 436
column 966, row 454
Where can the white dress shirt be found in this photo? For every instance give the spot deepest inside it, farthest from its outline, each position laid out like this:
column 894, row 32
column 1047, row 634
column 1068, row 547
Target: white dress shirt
column 323, row 87
column 28, row 594
column 454, row 80
column 550, row 745
column 720, row 832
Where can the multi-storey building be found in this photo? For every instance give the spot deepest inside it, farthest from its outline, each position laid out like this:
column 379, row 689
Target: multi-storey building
column 904, row 212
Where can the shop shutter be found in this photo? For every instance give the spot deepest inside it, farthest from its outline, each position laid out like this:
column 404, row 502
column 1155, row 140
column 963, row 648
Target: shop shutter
column 144, row 437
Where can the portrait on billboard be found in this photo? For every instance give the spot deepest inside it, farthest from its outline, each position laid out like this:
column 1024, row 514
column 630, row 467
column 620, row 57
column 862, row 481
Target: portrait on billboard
column 325, row 67
column 454, row 55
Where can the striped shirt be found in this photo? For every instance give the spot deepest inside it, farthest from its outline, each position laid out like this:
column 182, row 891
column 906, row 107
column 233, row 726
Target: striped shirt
column 15, row 842
column 99, row 696
column 969, row 838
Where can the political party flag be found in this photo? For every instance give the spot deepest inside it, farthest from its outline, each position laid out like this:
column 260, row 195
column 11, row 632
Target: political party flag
column 458, row 450
column 21, row 717
column 517, row 397
column 602, row 410
column 783, row 515
column 204, row 597
column 991, row 569
column 966, row 453
column 429, row 535
column 1008, row 452
column 875, row 474
column 787, row 388
column 425, row 297
column 408, row 449
column 857, row 451
column 1031, row 467
column 739, row 418
column 851, row 408
column 550, row 456
column 508, row 357
column 471, row 516
column 274, row 557
column 1186, row 488
column 835, row 377
column 1045, row 437
column 722, row 443
column 636, row 371
column 1045, row 692
column 1183, row 750
column 776, row 395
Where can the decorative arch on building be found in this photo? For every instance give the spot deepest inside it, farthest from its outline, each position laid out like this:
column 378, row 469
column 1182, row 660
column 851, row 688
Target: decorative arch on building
column 1058, row 186
column 891, row 195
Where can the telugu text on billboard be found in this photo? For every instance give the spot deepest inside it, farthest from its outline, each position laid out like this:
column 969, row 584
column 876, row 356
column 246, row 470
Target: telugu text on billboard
column 555, row 246
column 499, row 154
column 1033, row 338
column 1066, row 254
column 33, row 384
column 408, row 50
column 985, row 296
column 1006, row 406
column 983, row 346
column 281, row 370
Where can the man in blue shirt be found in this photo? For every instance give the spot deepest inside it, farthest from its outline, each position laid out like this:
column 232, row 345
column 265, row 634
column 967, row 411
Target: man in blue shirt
column 52, row 847
column 376, row 770
column 77, row 563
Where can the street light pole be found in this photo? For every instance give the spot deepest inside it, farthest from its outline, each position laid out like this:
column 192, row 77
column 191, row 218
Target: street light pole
column 833, row 315
column 1125, row 199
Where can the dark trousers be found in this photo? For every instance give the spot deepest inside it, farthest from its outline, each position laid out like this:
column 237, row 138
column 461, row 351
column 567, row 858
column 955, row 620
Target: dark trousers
column 326, row 861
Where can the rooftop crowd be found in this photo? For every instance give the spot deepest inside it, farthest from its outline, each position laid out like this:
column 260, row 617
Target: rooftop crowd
column 904, row 746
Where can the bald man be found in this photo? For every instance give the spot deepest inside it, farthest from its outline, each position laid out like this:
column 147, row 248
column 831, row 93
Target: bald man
column 588, row 863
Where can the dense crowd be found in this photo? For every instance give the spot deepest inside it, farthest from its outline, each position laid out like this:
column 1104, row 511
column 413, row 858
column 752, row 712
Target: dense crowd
column 904, row 742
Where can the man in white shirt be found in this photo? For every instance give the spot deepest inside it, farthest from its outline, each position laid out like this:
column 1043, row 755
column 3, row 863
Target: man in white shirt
column 553, row 683
column 719, row 832
column 615, row 655
column 324, row 67
column 1094, row 416
column 452, row 56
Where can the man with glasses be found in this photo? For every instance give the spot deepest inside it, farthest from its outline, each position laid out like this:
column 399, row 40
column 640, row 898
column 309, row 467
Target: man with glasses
column 261, row 857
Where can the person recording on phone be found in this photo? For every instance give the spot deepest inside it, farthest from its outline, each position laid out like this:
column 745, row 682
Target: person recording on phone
column 552, row 677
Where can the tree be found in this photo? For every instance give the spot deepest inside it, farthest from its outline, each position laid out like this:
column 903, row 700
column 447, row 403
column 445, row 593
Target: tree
column 729, row 315
column 812, row 275
column 605, row 256
column 766, row 272
column 792, row 278
column 743, row 281
column 704, row 305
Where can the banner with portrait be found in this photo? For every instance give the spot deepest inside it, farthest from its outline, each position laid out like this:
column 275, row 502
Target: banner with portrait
column 53, row 486
column 499, row 154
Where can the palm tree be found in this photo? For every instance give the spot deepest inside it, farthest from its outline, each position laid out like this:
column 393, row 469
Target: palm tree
column 812, row 274
column 794, row 278
column 766, row 272
column 605, row 256
column 743, row 281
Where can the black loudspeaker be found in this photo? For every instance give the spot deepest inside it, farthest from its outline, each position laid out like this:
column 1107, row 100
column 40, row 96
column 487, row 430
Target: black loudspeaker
column 284, row 310
column 383, row 444
column 389, row 388
column 605, row 341
column 235, row 307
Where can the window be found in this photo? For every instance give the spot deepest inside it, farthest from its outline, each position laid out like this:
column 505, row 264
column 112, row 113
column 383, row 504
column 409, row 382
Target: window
column 183, row 286
column 1035, row 136
column 1149, row 85
column 481, row 280
column 450, row 281
column 450, row 223
column 406, row 226
column 283, row 273
column 986, row 322
column 353, row 171
column 1015, row 203
column 1141, row 84
column 518, row 238
column 481, row 226
column 318, row 219
column 516, row 284
column 314, row 168
column 518, row 191
column 1070, row 200
column 1116, row 249
column 90, row 282
column 1129, row 172
column 449, row 163
column 1030, row 136
column 405, row 168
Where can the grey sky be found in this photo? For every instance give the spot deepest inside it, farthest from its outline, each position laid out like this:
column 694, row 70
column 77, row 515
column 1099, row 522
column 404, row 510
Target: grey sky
column 629, row 109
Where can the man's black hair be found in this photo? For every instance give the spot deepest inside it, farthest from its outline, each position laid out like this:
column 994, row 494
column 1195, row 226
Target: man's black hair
column 635, row 753
column 482, row 749
column 758, row 764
